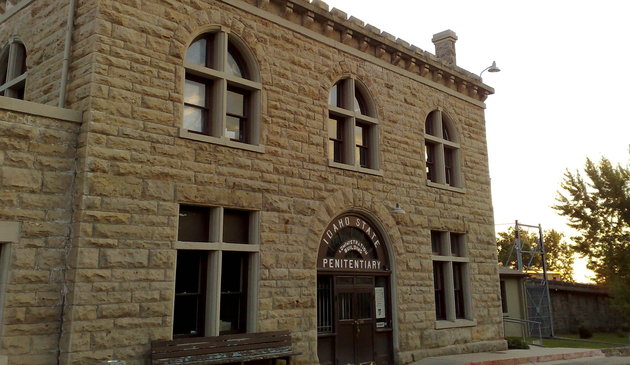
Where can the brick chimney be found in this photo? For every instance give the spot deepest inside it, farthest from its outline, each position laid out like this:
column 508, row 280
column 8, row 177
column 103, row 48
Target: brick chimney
column 445, row 46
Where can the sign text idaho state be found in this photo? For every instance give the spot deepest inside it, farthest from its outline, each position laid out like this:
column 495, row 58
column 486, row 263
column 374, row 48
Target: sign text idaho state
column 352, row 254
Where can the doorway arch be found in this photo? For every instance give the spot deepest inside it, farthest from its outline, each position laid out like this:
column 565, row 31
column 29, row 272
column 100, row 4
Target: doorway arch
column 354, row 293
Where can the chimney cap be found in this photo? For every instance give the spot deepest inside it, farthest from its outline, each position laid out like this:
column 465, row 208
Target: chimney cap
column 444, row 36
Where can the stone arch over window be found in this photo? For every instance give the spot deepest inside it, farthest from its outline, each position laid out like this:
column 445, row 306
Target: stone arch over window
column 13, row 69
column 352, row 126
column 222, row 90
column 442, row 150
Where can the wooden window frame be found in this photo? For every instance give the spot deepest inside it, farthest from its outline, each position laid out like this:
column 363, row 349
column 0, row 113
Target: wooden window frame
column 453, row 303
column 442, row 153
column 220, row 81
column 343, row 109
column 215, row 246
column 14, row 70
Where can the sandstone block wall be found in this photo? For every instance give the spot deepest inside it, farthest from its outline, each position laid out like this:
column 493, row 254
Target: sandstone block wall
column 37, row 164
column 133, row 171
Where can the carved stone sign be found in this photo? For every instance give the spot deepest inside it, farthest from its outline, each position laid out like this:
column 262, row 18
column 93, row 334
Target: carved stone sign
column 351, row 243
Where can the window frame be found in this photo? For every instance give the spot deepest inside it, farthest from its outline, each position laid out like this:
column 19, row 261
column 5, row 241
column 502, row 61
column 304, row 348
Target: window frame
column 215, row 246
column 348, row 92
column 442, row 153
column 219, row 81
column 455, row 300
column 14, row 70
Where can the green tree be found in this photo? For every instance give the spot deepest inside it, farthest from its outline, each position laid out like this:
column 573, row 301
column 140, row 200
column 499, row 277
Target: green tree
column 558, row 253
column 598, row 208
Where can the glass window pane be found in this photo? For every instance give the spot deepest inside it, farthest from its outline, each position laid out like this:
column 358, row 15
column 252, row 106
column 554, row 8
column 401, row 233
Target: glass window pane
column 187, row 272
column 233, row 128
column 436, row 242
column 345, row 306
column 445, row 133
column 233, row 66
column 364, row 305
column 333, row 96
column 185, row 316
column 358, row 135
column 194, row 119
column 456, row 244
column 428, row 125
column 359, row 103
column 233, row 296
column 325, row 315
column 438, row 286
column 332, row 128
column 236, row 226
column 232, row 272
column 196, row 53
column 20, row 58
column 235, row 103
column 195, row 93
column 194, row 224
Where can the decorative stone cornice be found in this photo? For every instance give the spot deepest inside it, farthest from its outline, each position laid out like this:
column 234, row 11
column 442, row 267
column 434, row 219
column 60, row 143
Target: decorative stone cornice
column 335, row 24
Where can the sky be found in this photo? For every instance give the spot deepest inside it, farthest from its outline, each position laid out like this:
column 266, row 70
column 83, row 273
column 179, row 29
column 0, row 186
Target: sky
column 561, row 95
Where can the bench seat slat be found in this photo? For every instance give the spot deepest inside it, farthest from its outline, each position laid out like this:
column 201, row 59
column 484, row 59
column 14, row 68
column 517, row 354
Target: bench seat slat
column 261, row 342
column 220, row 358
column 219, row 339
column 223, row 349
column 193, row 350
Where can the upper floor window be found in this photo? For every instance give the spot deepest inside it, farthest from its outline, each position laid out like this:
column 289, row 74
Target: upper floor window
column 352, row 127
column 221, row 91
column 13, row 70
column 442, row 150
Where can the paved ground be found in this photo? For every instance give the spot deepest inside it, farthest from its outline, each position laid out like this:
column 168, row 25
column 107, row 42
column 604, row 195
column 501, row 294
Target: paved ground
column 535, row 355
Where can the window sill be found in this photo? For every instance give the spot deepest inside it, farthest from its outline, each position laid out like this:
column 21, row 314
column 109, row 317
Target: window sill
column 445, row 187
column 364, row 170
column 184, row 133
column 458, row 323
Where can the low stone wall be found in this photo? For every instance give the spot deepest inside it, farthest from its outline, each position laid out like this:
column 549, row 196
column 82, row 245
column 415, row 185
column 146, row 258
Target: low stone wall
column 576, row 305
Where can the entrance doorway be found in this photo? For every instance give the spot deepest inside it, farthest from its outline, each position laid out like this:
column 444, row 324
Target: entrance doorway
column 355, row 319
column 354, row 323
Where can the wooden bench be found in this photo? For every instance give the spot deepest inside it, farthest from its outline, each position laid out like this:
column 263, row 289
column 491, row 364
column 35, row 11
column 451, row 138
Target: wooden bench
column 237, row 348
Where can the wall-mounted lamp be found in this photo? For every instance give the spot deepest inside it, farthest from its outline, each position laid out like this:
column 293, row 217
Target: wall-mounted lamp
column 396, row 210
column 491, row 68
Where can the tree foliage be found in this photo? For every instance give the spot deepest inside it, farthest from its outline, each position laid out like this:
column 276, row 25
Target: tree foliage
column 558, row 253
column 598, row 208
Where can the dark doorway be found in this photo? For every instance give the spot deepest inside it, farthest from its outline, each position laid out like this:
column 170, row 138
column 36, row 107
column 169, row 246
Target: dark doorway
column 355, row 319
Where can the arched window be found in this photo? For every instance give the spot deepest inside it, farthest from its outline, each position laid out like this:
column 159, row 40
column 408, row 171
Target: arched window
column 13, row 70
column 352, row 127
column 222, row 90
column 442, row 150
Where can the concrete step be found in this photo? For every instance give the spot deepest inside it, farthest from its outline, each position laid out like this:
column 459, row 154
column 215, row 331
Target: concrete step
column 533, row 355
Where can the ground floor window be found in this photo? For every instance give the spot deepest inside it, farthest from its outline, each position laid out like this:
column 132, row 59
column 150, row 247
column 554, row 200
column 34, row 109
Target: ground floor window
column 450, row 276
column 217, row 260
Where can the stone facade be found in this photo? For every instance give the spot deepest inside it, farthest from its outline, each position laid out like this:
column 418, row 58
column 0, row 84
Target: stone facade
column 91, row 276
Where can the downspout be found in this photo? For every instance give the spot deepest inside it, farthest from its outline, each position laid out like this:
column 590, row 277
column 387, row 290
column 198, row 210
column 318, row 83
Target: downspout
column 62, row 103
column 66, row 54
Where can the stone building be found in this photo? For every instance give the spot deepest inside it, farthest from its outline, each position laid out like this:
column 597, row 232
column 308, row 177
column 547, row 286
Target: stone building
column 200, row 167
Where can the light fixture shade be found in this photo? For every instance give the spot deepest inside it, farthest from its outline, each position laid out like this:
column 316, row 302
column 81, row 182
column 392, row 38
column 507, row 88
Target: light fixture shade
column 398, row 210
column 494, row 67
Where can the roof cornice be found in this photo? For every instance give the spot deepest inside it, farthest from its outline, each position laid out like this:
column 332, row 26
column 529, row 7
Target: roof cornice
column 335, row 24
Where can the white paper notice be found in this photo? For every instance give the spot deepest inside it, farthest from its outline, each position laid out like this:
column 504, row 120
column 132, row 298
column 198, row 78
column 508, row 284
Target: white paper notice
column 379, row 297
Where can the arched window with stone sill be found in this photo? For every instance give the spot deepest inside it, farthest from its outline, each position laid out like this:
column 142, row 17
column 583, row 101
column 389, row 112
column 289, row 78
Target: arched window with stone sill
column 222, row 91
